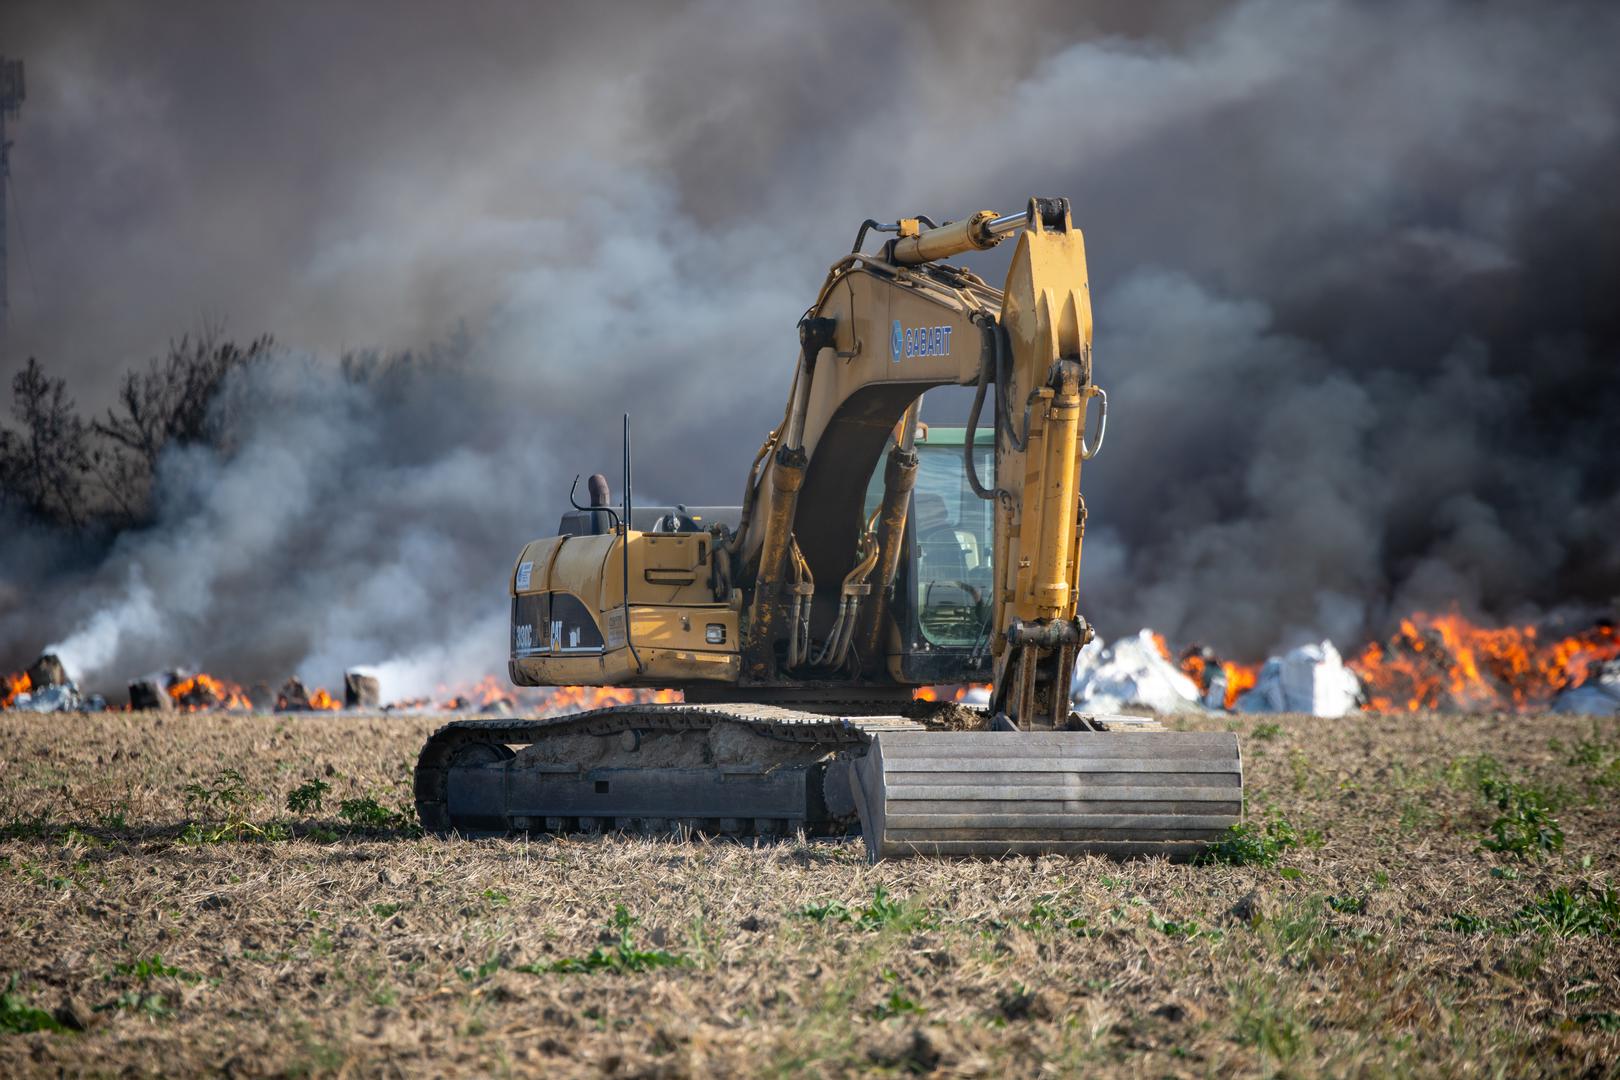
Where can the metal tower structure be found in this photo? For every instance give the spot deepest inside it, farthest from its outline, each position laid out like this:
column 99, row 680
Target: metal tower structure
column 11, row 98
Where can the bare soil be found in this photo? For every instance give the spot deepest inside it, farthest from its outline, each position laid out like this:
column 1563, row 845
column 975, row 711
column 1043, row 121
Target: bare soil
column 225, row 933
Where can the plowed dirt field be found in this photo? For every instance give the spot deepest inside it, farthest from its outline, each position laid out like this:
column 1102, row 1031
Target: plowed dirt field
column 168, row 912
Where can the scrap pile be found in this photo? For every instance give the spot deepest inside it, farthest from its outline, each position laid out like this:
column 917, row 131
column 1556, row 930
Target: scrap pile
column 1438, row 663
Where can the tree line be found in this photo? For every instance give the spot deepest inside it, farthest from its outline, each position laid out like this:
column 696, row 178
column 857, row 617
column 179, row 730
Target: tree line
column 60, row 468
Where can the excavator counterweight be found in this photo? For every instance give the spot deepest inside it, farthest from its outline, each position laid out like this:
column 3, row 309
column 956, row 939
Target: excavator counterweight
column 870, row 555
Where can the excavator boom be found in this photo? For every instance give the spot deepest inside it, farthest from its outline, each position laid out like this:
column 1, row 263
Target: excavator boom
column 798, row 625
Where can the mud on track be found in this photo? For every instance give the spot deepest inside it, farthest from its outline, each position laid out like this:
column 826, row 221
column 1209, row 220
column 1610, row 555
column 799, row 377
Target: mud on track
column 262, row 940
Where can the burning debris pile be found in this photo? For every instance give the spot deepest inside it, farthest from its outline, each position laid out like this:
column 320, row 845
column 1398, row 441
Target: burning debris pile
column 293, row 697
column 1220, row 683
column 46, row 687
column 1444, row 662
column 1133, row 673
column 1597, row 696
column 185, row 692
column 1138, row 673
column 1439, row 663
column 1310, row 679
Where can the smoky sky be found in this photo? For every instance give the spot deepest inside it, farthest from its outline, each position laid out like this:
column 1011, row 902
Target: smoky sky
column 1354, row 270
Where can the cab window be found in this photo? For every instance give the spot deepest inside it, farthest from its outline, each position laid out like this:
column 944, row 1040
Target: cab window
column 952, row 539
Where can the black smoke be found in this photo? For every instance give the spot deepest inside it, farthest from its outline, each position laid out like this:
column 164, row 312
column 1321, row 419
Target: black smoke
column 1354, row 269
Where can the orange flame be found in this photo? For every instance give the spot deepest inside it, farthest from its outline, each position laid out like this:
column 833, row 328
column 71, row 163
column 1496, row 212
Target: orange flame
column 490, row 692
column 203, row 691
column 1240, row 678
column 1432, row 662
column 12, row 686
column 1160, row 644
column 946, row 693
column 486, row 693
column 293, row 697
column 565, row 699
column 1445, row 661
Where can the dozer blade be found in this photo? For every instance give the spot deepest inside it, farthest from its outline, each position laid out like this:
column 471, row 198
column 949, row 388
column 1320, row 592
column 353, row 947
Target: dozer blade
column 996, row 793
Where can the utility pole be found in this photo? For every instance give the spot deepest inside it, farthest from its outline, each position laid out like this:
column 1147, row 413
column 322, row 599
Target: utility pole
column 11, row 99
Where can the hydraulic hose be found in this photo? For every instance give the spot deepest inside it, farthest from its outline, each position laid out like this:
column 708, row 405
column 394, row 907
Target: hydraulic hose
column 972, row 468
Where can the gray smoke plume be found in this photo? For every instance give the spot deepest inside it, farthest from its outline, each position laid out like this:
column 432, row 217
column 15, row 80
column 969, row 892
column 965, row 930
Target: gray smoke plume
column 1353, row 267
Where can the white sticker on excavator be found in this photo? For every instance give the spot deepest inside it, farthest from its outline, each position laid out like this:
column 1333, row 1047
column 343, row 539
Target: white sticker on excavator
column 524, row 574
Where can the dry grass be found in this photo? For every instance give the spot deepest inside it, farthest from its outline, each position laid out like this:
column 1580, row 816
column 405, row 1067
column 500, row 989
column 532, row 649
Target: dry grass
column 311, row 947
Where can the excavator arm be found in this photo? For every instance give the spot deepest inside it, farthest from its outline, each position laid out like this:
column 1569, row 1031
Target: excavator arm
column 855, row 382
column 1043, row 780
column 1040, row 518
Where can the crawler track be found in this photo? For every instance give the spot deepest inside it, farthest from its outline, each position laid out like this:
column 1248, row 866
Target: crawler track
column 1123, row 788
column 471, row 775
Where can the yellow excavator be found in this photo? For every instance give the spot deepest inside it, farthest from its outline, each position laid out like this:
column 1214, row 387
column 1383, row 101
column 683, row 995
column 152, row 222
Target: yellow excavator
column 870, row 556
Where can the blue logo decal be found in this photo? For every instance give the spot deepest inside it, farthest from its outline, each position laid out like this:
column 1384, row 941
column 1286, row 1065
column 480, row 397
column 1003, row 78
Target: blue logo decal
column 919, row 341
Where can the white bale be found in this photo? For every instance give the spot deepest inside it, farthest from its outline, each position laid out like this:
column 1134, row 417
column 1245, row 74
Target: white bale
column 63, row 697
column 1311, row 679
column 1598, row 696
column 1132, row 674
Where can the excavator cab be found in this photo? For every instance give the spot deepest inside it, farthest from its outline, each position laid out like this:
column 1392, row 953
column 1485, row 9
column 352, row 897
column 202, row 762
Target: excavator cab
column 942, row 602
